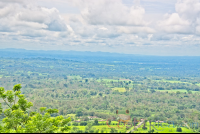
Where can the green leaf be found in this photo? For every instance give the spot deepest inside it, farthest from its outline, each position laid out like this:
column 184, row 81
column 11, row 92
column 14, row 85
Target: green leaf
column 32, row 113
column 10, row 96
column 42, row 109
column 3, row 96
column 51, row 111
column 17, row 87
column 15, row 107
column 2, row 90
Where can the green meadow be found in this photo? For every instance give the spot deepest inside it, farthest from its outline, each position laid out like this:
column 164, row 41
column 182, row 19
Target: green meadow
column 171, row 81
column 161, row 128
column 103, row 127
column 119, row 89
column 175, row 90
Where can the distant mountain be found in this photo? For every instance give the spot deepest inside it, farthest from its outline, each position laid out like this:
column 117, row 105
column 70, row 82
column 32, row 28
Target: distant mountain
column 101, row 57
column 60, row 52
column 12, row 49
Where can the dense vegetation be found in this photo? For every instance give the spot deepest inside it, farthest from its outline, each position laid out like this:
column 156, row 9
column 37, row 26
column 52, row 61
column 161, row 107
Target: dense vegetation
column 152, row 88
column 18, row 118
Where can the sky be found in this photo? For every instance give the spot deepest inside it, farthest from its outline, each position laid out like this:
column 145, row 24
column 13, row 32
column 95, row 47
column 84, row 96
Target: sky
column 147, row 27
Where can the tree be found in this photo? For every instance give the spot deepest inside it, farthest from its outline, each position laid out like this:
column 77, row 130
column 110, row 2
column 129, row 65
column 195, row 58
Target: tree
column 96, row 122
column 152, row 90
column 161, row 88
column 86, row 119
column 107, row 91
column 75, row 124
column 109, row 122
column 100, row 94
column 127, row 88
column 18, row 118
column 65, row 85
column 83, row 123
column 179, row 129
column 79, row 112
column 144, row 127
column 147, row 114
column 88, row 127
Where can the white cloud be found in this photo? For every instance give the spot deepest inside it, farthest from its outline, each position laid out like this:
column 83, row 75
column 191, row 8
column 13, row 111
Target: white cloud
column 18, row 17
column 185, row 20
column 112, row 24
column 135, row 30
column 112, row 12
column 5, row 11
column 174, row 24
column 174, row 19
column 103, row 28
column 188, row 9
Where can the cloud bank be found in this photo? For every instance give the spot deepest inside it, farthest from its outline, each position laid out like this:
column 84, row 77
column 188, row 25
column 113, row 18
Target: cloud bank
column 112, row 24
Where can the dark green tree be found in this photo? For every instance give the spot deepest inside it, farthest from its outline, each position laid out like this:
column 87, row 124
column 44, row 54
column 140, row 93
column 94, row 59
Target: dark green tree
column 96, row 122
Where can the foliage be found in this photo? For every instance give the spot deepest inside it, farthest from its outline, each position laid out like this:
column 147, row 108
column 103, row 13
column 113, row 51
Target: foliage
column 18, row 119
column 96, row 122
column 83, row 123
column 113, row 130
column 79, row 113
column 179, row 129
column 70, row 86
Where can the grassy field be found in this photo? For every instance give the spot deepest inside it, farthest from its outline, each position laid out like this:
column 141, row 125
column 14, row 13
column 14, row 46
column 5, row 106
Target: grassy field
column 71, row 115
column 104, row 128
column 172, row 81
column 43, row 74
column 114, row 80
column 198, row 84
column 107, row 80
column 119, row 89
column 74, row 77
column 175, row 90
column 165, row 128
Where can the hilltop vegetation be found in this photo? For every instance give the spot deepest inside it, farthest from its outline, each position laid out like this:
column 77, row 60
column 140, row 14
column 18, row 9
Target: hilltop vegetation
column 81, row 88
column 18, row 118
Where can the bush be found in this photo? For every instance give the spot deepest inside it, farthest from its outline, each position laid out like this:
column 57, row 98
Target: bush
column 151, row 131
column 113, row 130
column 86, row 119
column 79, row 131
column 144, row 128
column 83, row 123
column 178, row 129
column 96, row 122
column 75, row 124
column 152, row 91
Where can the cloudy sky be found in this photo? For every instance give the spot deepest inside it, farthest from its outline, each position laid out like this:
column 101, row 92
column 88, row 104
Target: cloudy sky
column 149, row 27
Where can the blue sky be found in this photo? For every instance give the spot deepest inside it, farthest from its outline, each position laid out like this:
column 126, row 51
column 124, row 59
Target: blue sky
column 148, row 27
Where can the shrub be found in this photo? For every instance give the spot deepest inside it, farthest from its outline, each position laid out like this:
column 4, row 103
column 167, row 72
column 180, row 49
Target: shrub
column 75, row 124
column 83, row 123
column 179, row 129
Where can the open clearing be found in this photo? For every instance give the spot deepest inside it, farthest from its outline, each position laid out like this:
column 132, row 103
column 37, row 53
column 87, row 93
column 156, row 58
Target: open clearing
column 175, row 90
column 119, row 89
